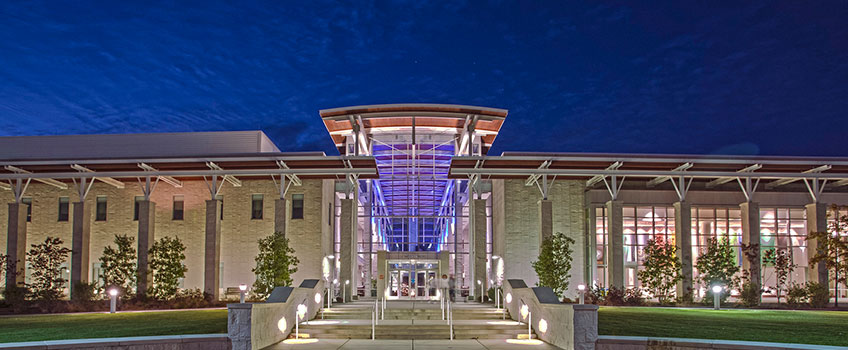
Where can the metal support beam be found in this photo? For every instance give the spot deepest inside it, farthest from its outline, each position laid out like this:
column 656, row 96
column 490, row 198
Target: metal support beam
column 724, row 180
column 782, row 182
column 839, row 183
column 5, row 186
column 613, row 186
column 292, row 177
column 748, row 188
column 228, row 178
column 816, row 187
column 147, row 187
column 167, row 179
column 214, row 186
column 598, row 178
column 107, row 180
column 682, row 187
column 535, row 177
column 46, row 181
column 661, row 179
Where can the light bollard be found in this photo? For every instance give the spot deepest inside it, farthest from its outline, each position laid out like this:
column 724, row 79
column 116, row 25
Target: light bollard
column 113, row 300
column 481, row 290
column 582, row 291
column 716, row 297
column 242, row 290
column 344, row 291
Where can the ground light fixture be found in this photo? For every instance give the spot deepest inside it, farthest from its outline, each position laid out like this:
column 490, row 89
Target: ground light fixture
column 242, row 290
column 582, row 291
column 113, row 300
column 344, row 291
column 479, row 283
column 716, row 296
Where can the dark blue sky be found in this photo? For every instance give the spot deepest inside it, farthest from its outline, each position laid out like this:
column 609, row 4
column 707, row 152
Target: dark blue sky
column 682, row 77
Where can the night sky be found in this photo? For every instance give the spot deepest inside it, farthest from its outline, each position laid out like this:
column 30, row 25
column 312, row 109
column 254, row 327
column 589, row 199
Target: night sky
column 707, row 77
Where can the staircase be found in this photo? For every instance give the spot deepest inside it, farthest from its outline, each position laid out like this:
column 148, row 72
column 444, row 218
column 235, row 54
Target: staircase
column 412, row 320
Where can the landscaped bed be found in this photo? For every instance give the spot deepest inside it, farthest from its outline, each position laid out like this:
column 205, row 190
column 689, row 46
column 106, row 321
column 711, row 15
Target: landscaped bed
column 807, row 327
column 104, row 325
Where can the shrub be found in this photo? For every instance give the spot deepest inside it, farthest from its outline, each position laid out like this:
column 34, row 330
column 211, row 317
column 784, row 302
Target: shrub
column 490, row 294
column 614, row 296
column 634, row 297
column 818, row 295
column 554, row 264
column 749, row 295
column 662, row 269
column 189, row 298
column 796, row 295
column 46, row 261
column 717, row 265
column 166, row 264
column 596, row 295
column 275, row 264
column 85, row 292
column 783, row 266
column 118, row 266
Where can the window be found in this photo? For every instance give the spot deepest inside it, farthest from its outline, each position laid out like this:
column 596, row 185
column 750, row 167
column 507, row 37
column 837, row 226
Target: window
column 329, row 214
column 297, row 206
column 784, row 230
column 64, row 209
column 28, row 202
column 177, row 212
column 256, row 207
column 135, row 207
column 100, row 209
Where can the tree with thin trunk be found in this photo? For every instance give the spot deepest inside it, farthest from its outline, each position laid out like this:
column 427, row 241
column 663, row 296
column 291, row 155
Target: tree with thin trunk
column 554, row 264
column 662, row 269
column 119, row 265
column 833, row 248
column 275, row 264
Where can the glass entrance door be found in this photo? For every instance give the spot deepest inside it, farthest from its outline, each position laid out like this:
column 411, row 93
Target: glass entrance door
column 410, row 280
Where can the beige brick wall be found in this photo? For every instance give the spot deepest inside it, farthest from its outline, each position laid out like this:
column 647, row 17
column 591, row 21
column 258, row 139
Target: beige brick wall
column 520, row 227
column 239, row 233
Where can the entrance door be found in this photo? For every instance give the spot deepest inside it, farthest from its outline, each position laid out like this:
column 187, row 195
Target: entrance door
column 412, row 280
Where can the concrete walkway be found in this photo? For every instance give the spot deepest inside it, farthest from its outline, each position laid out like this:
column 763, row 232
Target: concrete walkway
column 365, row 344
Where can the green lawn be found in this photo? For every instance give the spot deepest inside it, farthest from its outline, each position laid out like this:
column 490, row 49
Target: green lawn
column 808, row 327
column 130, row 324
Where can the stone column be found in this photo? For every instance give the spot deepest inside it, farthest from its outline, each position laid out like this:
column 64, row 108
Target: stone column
column 347, row 255
column 683, row 241
column 615, row 245
column 751, row 235
column 479, row 253
column 546, row 219
column 212, row 250
column 280, row 216
column 16, row 242
column 146, row 226
column 816, row 222
column 80, row 245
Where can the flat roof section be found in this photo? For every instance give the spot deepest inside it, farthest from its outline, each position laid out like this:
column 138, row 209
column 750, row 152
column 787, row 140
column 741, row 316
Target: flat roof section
column 110, row 146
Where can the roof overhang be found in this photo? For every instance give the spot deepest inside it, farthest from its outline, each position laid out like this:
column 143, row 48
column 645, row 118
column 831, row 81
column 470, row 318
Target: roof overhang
column 340, row 122
column 704, row 169
column 310, row 165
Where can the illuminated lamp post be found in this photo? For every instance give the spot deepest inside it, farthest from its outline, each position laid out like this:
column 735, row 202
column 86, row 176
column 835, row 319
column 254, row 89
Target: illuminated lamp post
column 716, row 296
column 113, row 300
column 242, row 290
column 344, row 291
column 582, row 291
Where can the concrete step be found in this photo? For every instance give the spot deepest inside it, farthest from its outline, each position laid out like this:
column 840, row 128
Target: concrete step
column 417, row 332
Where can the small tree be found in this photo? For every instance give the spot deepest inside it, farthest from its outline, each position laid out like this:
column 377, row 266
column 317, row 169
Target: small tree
column 46, row 261
column 832, row 248
column 717, row 266
column 554, row 264
column 166, row 265
column 275, row 264
column 118, row 265
column 662, row 269
column 783, row 266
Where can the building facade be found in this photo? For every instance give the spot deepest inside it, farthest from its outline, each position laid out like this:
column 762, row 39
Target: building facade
column 412, row 195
